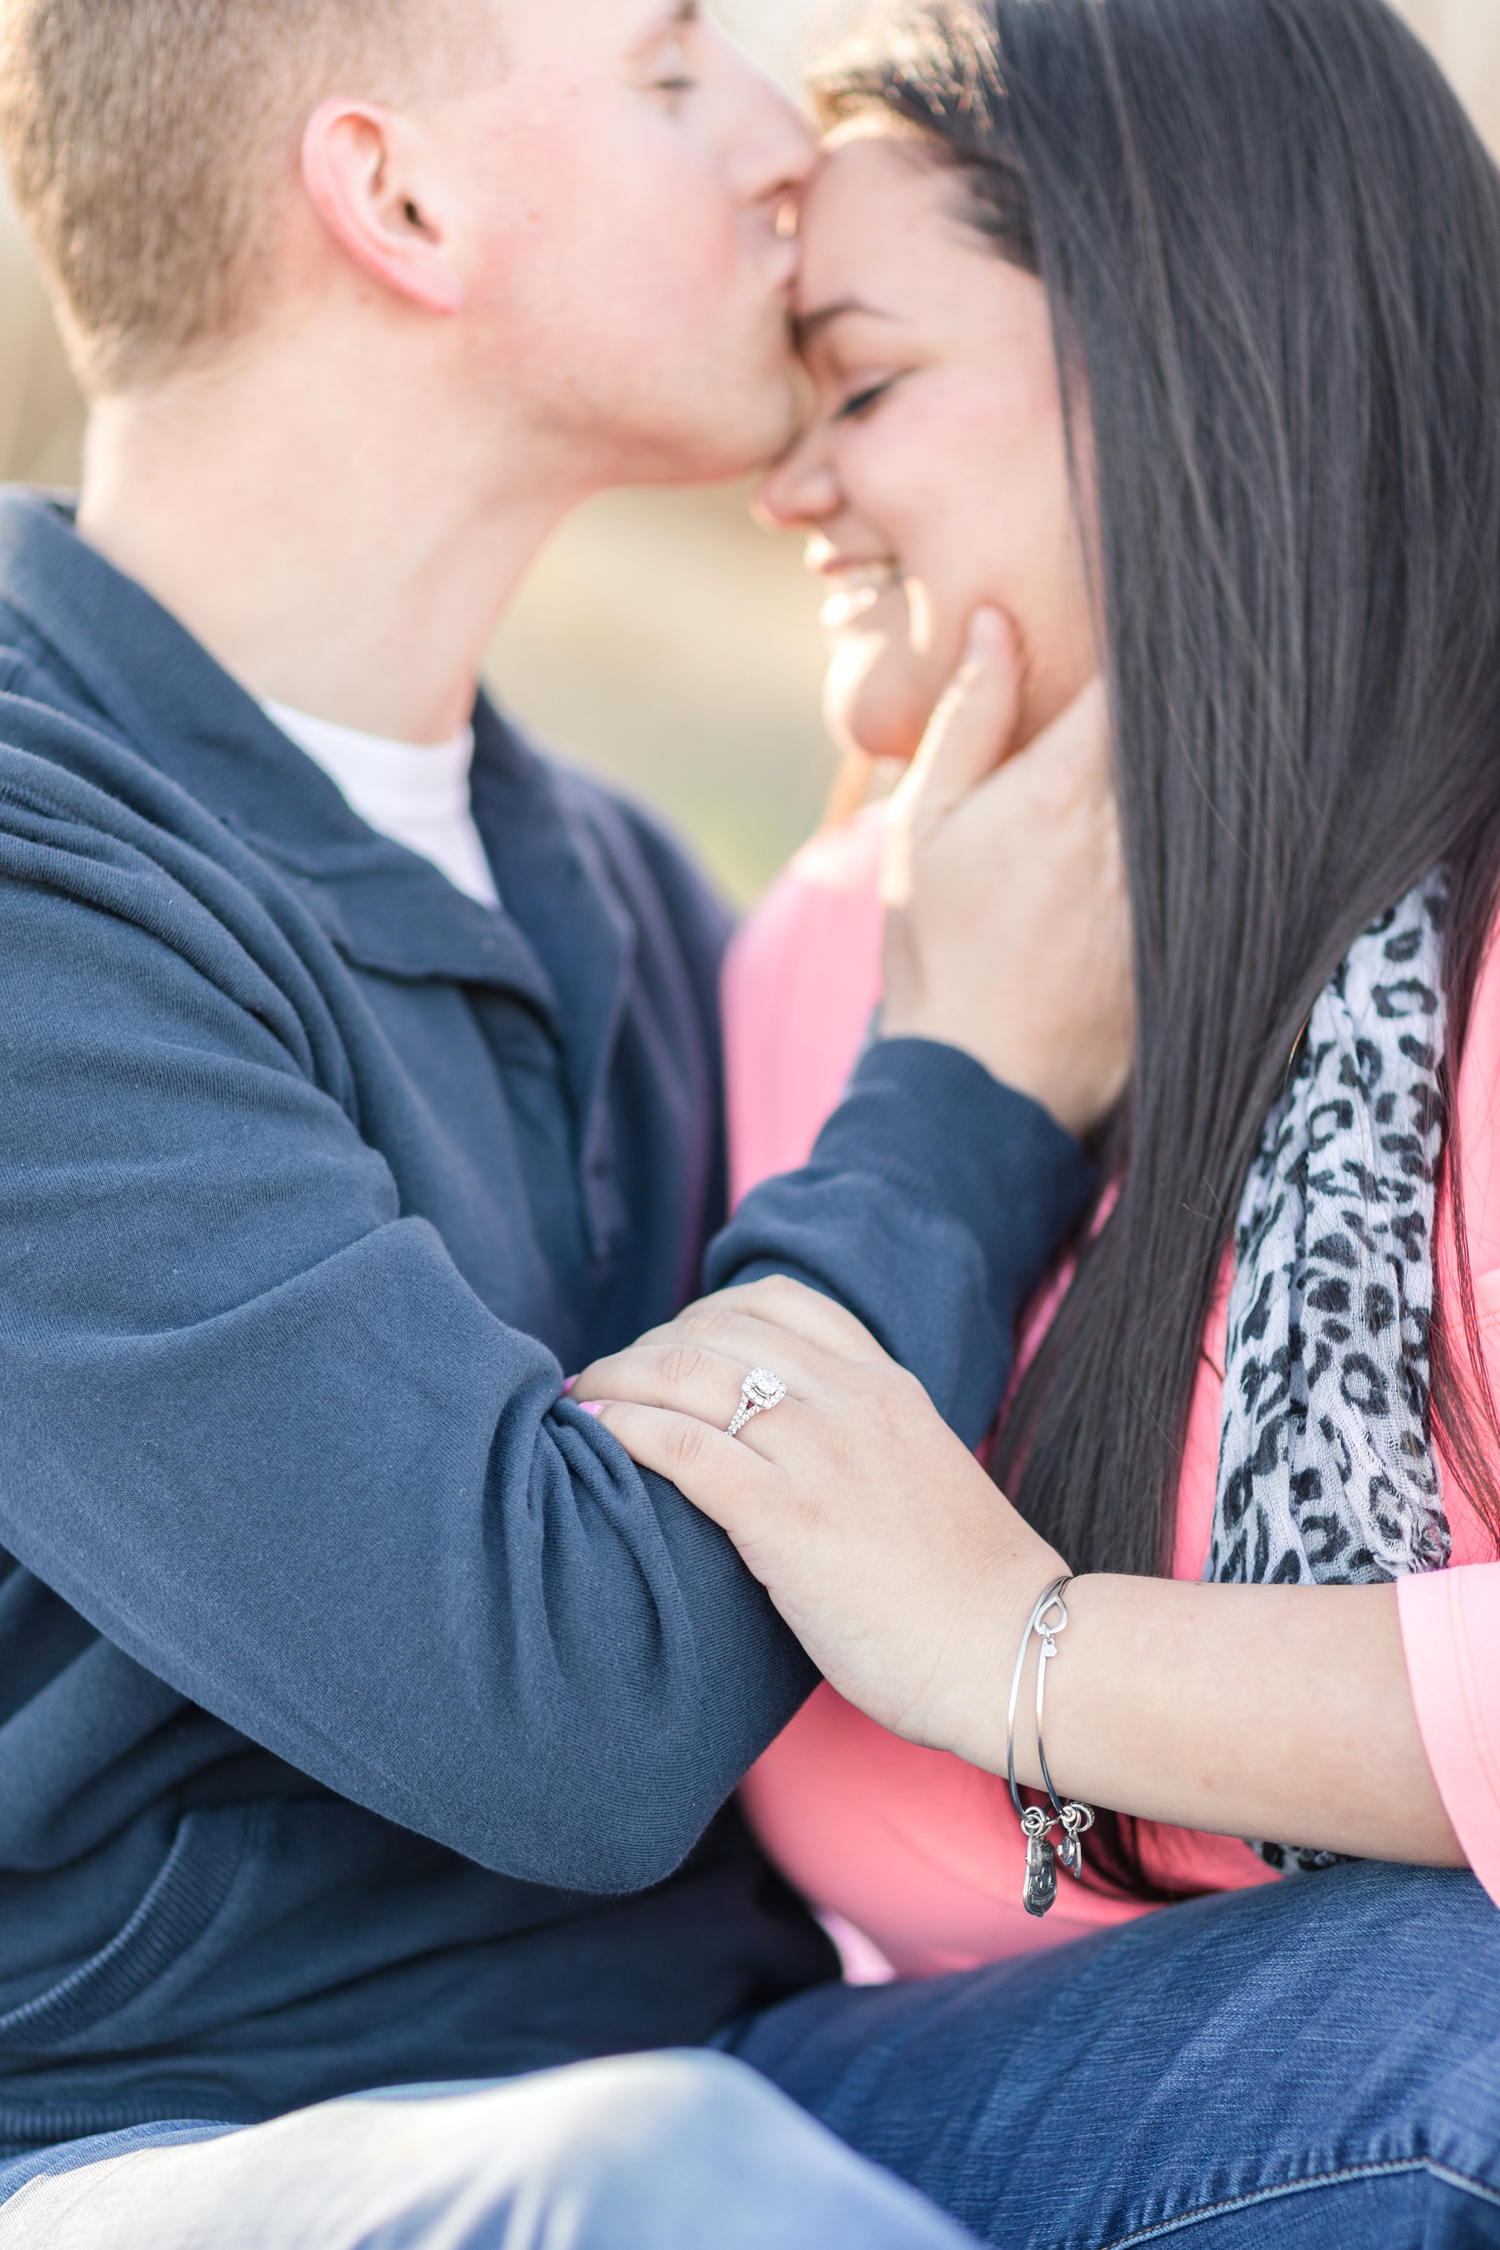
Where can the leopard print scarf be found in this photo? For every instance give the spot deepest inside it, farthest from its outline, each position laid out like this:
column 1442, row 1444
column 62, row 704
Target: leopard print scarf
column 1327, row 1474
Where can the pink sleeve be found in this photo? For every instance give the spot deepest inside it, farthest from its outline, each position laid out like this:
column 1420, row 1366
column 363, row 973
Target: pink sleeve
column 1450, row 1624
column 1450, row 1620
column 801, row 985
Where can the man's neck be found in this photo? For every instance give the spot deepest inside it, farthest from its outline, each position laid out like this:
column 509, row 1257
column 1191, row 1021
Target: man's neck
column 345, row 548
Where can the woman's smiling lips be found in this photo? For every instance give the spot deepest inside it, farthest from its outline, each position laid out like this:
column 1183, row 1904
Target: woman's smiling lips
column 857, row 584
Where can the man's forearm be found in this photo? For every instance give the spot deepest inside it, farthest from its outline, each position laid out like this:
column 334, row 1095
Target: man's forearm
column 263, row 1436
column 932, row 1206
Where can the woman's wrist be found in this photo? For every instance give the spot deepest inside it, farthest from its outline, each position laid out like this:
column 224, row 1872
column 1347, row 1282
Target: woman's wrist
column 967, row 1710
column 1187, row 1704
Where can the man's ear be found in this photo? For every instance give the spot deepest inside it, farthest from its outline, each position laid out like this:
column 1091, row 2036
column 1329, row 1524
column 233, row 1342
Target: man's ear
column 361, row 167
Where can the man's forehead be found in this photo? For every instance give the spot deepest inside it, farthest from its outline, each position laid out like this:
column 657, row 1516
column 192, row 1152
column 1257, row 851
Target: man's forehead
column 650, row 21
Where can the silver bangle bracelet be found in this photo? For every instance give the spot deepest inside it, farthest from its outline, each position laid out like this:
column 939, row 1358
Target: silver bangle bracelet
column 1047, row 1620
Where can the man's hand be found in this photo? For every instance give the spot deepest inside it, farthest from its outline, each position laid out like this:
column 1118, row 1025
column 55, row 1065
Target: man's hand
column 1008, row 932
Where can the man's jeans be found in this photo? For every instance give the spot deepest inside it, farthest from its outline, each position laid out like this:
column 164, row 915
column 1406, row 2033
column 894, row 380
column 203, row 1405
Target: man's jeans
column 653, row 2153
column 1309, row 2065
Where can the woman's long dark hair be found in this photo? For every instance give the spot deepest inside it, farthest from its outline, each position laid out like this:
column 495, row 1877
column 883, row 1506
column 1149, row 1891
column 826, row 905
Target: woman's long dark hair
column 1271, row 242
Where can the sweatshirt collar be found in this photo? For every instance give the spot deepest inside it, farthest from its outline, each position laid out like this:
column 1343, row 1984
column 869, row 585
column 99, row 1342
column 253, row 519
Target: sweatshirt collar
column 152, row 682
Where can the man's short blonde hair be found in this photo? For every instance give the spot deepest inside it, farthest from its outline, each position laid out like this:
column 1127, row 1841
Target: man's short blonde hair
column 149, row 144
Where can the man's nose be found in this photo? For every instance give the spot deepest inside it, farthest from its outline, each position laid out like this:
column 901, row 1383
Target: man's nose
column 778, row 148
column 796, row 149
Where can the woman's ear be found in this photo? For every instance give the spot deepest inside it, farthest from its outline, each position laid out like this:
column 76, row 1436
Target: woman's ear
column 363, row 168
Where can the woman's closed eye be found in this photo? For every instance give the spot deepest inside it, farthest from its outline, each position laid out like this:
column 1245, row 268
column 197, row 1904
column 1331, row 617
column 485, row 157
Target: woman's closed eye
column 865, row 400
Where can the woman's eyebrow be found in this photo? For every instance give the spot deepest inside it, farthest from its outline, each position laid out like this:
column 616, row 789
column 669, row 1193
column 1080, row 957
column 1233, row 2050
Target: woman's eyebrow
column 808, row 327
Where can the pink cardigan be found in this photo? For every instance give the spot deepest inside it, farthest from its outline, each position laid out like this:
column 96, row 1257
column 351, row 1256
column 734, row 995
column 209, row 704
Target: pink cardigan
column 917, row 1851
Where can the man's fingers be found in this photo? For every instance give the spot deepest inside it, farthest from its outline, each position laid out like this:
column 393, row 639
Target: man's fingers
column 1069, row 765
column 1082, row 738
column 970, row 733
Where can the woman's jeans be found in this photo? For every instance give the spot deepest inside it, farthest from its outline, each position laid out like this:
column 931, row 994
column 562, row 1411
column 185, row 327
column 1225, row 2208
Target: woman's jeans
column 1312, row 2064
column 1309, row 2065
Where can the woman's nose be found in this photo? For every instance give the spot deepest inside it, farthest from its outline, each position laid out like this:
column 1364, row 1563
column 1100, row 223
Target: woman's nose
column 800, row 490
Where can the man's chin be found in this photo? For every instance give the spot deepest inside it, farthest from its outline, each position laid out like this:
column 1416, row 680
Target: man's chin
column 700, row 416
column 753, row 426
column 686, row 461
column 714, row 431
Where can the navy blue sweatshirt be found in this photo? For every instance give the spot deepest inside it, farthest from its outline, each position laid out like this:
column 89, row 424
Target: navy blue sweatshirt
column 366, row 1717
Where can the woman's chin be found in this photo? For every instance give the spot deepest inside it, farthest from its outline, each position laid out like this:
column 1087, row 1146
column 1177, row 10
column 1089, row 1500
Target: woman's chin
column 872, row 705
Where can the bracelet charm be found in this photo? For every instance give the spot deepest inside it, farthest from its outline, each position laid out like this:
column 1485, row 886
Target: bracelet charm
column 1039, row 1891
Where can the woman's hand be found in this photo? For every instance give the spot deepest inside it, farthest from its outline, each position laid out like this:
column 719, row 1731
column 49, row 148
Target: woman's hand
column 1008, row 932
column 880, row 1539
column 1281, row 1712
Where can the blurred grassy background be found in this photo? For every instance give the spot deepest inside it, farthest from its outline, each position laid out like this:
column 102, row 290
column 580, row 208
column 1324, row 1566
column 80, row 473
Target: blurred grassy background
column 662, row 638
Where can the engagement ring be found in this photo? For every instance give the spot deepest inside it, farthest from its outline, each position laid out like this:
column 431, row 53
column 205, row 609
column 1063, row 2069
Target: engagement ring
column 760, row 1391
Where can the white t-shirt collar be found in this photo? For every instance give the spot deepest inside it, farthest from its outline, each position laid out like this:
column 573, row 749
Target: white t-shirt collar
column 416, row 794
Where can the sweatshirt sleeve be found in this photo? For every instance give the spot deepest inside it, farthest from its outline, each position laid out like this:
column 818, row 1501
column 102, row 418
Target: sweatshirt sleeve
column 934, row 1201
column 259, row 1432
column 1450, row 1627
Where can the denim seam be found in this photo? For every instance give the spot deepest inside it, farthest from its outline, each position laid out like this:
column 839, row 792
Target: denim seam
column 1209, row 2211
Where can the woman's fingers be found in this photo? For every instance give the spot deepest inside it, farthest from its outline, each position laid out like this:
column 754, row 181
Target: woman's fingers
column 683, row 1378
column 677, row 1376
column 697, row 1363
column 778, row 1304
column 722, row 1478
column 784, row 1307
column 877, row 1536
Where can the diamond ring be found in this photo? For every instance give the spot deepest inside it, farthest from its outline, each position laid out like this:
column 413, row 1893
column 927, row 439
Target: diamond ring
column 760, row 1391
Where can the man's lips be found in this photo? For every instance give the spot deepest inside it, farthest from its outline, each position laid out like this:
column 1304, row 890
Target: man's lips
column 856, row 588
